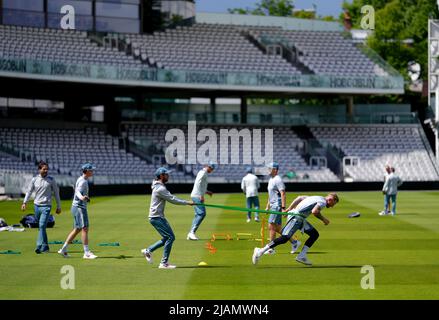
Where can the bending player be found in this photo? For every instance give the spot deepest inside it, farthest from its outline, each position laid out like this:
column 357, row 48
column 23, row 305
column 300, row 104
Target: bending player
column 300, row 209
column 157, row 217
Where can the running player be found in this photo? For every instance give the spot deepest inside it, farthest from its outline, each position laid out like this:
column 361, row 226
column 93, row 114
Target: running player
column 300, row 209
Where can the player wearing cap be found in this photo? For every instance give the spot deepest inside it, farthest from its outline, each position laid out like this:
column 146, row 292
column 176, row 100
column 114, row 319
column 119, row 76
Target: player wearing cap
column 276, row 202
column 79, row 212
column 250, row 185
column 157, row 217
column 300, row 209
column 197, row 195
column 43, row 185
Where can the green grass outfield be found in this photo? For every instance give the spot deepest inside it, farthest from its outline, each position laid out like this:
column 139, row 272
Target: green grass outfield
column 404, row 251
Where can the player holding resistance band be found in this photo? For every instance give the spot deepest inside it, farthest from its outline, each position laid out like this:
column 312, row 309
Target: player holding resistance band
column 300, row 209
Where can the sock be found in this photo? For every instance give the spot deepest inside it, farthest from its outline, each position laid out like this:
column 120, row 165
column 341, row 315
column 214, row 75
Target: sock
column 86, row 250
column 64, row 247
column 304, row 251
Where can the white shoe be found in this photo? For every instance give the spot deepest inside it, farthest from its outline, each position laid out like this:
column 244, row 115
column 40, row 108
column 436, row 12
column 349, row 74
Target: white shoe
column 295, row 246
column 63, row 253
column 89, row 255
column 191, row 236
column 270, row 251
column 166, row 266
column 256, row 219
column 256, row 256
column 248, row 220
column 383, row 213
column 147, row 255
column 303, row 260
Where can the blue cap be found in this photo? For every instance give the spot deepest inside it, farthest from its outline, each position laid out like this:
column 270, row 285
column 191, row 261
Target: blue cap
column 161, row 170
column 212, row 165
column 88, row 166
column 274, row 165
column 249, row 169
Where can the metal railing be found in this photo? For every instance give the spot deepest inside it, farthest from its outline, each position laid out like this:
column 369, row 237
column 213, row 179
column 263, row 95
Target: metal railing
column 283, row 118
column 377, row 59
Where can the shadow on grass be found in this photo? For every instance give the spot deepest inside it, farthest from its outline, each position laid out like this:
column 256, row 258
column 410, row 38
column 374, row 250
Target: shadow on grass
column 205, row 267
column 121, row 257
column 312, row 267
column 296, row 253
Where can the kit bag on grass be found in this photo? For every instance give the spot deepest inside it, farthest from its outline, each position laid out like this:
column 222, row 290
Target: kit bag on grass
column 29, row 221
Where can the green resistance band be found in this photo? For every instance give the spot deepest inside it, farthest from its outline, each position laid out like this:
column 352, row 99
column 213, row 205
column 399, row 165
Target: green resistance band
column 247, row 210
column 110, row 244
column 10, row 252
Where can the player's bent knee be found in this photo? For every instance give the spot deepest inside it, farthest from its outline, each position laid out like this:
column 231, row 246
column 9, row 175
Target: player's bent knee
column 169, row 239
column 281, row 240
column 314, row 234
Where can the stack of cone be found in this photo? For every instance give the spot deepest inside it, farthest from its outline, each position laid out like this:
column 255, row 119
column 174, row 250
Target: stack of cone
column 210, row 247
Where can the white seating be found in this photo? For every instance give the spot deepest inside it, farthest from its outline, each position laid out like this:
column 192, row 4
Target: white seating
column 66, row 150
column 376, row 145
column 284, row 152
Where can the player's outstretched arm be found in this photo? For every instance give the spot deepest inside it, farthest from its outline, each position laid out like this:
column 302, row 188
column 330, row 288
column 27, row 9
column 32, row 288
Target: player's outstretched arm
column 166, row 195
column 316, row 212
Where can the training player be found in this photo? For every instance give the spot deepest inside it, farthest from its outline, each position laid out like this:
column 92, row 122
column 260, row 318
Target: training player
column 157, row 217
column 197, row 195
column 80, row 214
column 299, row 210
column 44, row 186
column 390, row 190
column 276, row 202
column 250, row 186
column 386, row 175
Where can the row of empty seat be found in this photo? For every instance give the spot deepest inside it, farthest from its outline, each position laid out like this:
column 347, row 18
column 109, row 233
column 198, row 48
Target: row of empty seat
column 323, row 52
column 285, row 146
column 371, row 147
column 200, row 47
column 68, row 46
column 207, row 47
column 65, row 151
column 401, row 146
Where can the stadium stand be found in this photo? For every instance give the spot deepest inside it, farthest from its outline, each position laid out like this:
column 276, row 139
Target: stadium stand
column 401, row 146
column 55, row 45
column 200, row 47
column 66, row 149
column 323, row 52
column 285, row 151
column 13, row 164
column 207, row 47
column 217, row 47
